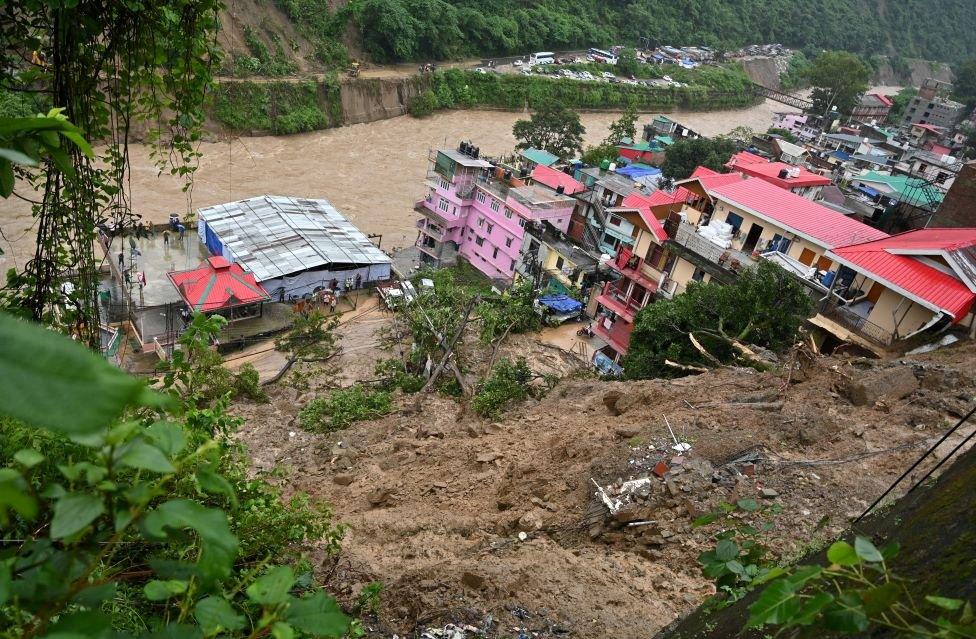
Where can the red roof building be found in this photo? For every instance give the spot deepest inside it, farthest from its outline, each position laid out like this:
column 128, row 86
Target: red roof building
column 816, row 223
column 931, row 267
column 217, row 284
column 785, row 176
column 711, row 179
column 553, row 178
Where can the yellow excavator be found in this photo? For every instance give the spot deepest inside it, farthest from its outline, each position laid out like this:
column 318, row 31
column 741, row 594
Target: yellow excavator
column 353, row 70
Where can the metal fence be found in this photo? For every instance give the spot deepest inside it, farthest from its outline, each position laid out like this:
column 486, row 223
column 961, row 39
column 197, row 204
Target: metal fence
column 857, row 324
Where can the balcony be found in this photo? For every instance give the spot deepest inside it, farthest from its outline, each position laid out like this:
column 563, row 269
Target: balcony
column 856, row 323
column 425, row 227
column 605, row 365
column 632, row 267
column 428, row 209
column 617, row 336
column 723, row 261
column 617, row 301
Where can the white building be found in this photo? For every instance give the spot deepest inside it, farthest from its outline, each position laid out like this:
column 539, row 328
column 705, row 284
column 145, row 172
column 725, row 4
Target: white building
column 293, row 246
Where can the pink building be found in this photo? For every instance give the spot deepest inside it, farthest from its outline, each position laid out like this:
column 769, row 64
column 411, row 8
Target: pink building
column 479, row 211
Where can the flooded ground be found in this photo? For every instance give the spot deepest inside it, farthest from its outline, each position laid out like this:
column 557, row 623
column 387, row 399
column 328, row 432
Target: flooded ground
column 372, row 172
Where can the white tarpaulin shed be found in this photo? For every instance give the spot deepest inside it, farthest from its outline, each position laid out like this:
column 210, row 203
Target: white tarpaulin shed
column 292, row 245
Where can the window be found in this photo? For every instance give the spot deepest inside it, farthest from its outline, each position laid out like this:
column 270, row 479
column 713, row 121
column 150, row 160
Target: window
column 698, row 275
column 481, row 221
column 734, row 220
column 480, row 241
column 490, row 228
column 559, row 263
column 508, row 212
column 513, row 265
column 442, row 205
column 522, row 222
column 614, row 220
column 495, row 205
column 508, row 243
column 445, row 184
column 481, row 197
column 494, row 254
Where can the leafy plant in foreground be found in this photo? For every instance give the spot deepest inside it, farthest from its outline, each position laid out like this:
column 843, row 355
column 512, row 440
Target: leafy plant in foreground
column 854, row 592
column 109, row 518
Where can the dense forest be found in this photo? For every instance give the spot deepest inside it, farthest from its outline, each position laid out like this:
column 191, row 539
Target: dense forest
column 443, row 29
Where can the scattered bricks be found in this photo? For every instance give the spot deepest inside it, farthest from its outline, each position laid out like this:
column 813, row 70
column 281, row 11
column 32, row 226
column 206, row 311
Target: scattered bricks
column 891, row 383
column 660, row 469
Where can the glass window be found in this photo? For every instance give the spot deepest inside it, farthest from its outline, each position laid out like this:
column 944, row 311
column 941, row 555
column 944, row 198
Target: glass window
column 481, row 197
column 494, row 253
column 481, row 221
column 442, row 205
column 559, row 263
column 508, row 243
column 508, row 212
column 495, row 205
column 513, row 265
column 480, row 241
column 734, row 220
column 490, row 228
column 522, row 222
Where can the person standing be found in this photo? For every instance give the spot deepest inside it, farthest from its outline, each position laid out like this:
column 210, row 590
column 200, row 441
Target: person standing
column 166, row 238
column 121, row 260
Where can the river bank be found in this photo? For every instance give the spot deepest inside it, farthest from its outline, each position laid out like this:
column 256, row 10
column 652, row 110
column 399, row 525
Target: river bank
column 372, row 172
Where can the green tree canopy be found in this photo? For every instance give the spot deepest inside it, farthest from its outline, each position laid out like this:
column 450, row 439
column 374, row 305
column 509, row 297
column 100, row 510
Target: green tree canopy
column 838, row 79
column 552, row 128
column 627, row 62
column 625, row 127
column 964, row 87
column 764, row 306
column 685, row 155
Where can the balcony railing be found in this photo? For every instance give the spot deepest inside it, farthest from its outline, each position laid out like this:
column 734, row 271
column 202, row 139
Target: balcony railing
column 857, row 324
column 429, row 229
column 687, row 236
column 618, row 302
column 632, row 267
column 616, row 338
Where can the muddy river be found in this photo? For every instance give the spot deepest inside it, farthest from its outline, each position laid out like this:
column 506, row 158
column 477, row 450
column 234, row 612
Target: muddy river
column 372, row 172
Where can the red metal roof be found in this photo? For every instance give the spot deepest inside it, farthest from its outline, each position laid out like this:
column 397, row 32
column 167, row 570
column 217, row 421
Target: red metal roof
column 931, row 128
column 554, row 178
column 217, row 284
column 884, row 99
column 643, row 203
column 819, row 224
column 934, row 240
column 770, row 171
column 709, row 178
column 909, row 275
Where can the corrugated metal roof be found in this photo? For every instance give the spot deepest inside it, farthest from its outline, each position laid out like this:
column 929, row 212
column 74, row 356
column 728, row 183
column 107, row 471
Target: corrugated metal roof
column 908, row 273
column 274, row 236
column 553, row 179
column 821, row 225
column 539, row 156
column 217, row 284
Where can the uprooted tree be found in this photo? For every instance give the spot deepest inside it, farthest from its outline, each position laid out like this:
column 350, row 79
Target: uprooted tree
column 711, row 324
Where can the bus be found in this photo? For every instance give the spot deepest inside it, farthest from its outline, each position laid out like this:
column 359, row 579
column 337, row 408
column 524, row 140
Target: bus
column 599, row 55
column 542, row 57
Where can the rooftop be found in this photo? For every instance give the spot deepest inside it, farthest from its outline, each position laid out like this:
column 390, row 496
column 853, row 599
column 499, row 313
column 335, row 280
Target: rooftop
column 814, row 222
column 539, row 156
column 907, row 189
column 274, row 236
column 897, row 262
column 465, row 160
column 771, row 171
column 643, row 203
column 217, row 284
column 554, row 178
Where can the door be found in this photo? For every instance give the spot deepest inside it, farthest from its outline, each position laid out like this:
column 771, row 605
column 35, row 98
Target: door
column 807, row 256
column 752, row 238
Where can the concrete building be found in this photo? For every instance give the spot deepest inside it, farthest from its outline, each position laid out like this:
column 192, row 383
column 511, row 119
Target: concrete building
column 795, row 179
column 479, row 211
column 933, row 106
column 958, row 208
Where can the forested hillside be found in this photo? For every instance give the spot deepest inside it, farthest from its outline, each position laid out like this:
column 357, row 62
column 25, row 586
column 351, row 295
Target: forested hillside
column 442, row 29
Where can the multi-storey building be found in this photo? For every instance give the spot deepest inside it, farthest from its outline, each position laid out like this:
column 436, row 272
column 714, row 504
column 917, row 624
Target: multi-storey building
column 786, row 176
column 933, row 106
column 478, row 211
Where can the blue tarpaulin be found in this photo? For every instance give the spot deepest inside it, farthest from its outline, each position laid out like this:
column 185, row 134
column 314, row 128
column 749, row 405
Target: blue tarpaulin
column 637, row 171
column 840, row 155
column 561, row 303
column 867, row 190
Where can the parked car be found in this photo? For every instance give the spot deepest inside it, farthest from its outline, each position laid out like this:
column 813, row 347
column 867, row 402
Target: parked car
column 517, row 63
column 608, row 75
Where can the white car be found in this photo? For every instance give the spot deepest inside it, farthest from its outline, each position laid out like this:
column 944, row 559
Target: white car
column 608, row 75
column 667, row 79
column 480, row 70
column 517, row 63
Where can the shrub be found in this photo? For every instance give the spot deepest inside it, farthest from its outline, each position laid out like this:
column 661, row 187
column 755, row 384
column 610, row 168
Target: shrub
column 424, row 104
column 392, row 370
column 507, row 383
column 343, row 407
column 247, row 383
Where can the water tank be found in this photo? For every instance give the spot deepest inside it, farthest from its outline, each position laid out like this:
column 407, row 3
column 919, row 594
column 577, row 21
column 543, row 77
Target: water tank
column 612, row 167
column 605, row 165
column 475, row 151
column 784, row 173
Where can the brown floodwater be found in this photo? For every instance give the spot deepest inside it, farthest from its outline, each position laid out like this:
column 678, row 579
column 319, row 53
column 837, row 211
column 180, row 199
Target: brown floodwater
column 371, row 172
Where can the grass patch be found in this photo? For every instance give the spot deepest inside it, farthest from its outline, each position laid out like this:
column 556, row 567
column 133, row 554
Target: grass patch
column 343, row 407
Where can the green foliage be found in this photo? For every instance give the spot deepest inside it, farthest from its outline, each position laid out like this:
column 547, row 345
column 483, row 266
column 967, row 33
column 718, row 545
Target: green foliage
column 964, row 87
column 315, row 20
column 344, row 406
column 511, row 312
column 369, row 598
column 711, row 88
column 552, row 128
column 279, row 107
column 838, row 79
column 26, row 142
column 763, row 306
column 395, row 375
column 397, row 30
column 795, row 76
column 627, row 63
column 740, row 560
column 901, row 101
column 685, row 155
column 18, row 104
column 247, row 383
column 594, row 155
column 786, row 134
column 625, row 127
column 855, row 592
column 424, row 104
column 261, row 60
column 196, row 370
column 311, row 336
column 507, row 383
column 131, row 511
